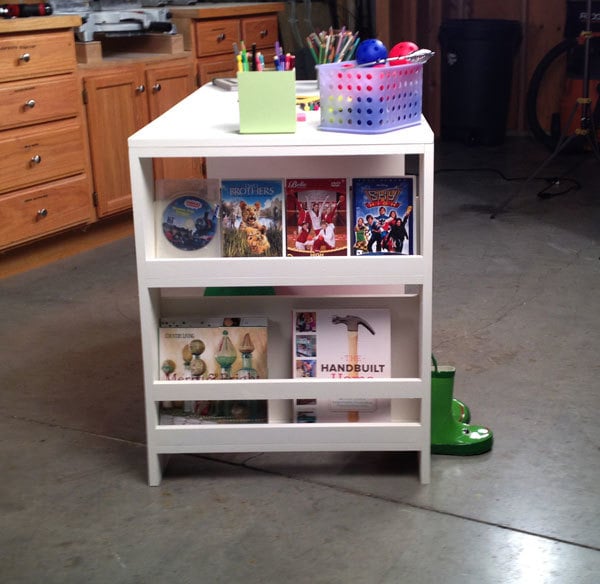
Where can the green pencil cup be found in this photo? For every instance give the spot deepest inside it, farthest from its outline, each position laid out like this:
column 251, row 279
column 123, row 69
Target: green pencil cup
column 267, row 102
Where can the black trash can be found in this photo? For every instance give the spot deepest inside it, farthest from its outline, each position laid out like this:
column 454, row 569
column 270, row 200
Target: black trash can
column 477, row 65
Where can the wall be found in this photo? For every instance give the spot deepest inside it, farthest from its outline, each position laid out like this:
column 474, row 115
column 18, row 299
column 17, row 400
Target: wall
column 542, row 24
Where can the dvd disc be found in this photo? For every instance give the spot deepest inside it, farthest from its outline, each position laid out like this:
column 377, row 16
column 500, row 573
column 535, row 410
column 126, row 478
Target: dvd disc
column 189, row 223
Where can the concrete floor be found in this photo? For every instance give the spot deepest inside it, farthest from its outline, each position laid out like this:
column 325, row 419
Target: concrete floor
column 516, row 310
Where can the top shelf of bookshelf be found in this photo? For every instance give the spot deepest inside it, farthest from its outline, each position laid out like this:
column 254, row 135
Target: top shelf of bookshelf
column 189, row 129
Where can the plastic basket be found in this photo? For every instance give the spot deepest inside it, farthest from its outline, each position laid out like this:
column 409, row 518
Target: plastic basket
column 369, row 100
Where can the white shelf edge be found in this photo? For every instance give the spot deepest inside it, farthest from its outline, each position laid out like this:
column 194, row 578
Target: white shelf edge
column 183, row 272
column 400, row 388
column 287, row 437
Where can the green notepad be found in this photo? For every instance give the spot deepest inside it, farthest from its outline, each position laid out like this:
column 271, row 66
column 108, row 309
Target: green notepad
column 267, row 102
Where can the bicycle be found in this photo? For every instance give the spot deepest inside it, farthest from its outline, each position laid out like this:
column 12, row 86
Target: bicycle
column 564, row 66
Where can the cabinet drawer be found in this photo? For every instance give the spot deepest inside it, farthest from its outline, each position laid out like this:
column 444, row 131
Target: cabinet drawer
column 35, row 212
column 40, row 153
column 39, row 100
column 214, row 37
column 260, row 30
column 33, row 55
column 209, row 69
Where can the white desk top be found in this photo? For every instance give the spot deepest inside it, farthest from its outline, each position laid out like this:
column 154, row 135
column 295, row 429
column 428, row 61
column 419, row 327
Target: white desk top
column 206, row 123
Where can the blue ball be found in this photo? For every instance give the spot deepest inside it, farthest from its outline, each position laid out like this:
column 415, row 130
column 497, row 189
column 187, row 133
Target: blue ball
column 371, row 51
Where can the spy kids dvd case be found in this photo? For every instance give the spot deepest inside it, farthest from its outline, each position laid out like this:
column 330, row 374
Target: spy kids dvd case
column 186, row 214
column 337, row 344
column 316, row 217
column 383, row 217
column 252, row 218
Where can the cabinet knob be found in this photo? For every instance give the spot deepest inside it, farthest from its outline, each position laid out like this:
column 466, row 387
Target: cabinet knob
column 264, row 33
column 221, row 37
column 25, row 57
column 37, row 159
column 42, row 213
column 156, row 87
column 140, row 88
column 30, row 103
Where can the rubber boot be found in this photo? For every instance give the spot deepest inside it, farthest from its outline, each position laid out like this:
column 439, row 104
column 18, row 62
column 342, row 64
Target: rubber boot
column 449, row 436
column 460, row 411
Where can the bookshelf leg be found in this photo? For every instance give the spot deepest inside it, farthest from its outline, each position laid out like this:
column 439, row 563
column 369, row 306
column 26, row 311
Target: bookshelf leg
column 424, row 467
column 156, row 465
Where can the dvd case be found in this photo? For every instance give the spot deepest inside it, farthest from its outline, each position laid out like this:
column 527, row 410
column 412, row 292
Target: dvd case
column 383, row 215
column 252, row 218
column 316, row 223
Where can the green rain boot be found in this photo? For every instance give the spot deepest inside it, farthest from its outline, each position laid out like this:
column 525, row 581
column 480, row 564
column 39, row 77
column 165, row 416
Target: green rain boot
column 448, row 435
column 460, row 411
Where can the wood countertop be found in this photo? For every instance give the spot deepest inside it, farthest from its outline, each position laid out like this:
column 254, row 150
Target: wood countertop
column 225, row 9
column 39, row 23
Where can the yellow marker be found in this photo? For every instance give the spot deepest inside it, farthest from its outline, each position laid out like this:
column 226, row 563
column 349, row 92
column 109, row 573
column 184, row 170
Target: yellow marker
column 238, row 58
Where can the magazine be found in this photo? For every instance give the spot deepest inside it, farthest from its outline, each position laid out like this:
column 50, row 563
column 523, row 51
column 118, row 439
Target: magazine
column 316, row 217
column 222, row 347
column 344, row 343
column 251, row 218
column 383, row 215
column 186, row 214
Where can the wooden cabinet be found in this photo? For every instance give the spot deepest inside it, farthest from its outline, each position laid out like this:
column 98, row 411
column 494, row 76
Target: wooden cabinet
column 45, row 184
column 210, row 31
column 119, row 100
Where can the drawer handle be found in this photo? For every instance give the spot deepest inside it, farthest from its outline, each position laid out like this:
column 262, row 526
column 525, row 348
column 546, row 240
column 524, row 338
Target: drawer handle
column 30, row 103
column 221, row 37
column 264, row 33
column 25, row 58
column 37, row 159
column 42, row 213
column 140, row 88
column 156, row 87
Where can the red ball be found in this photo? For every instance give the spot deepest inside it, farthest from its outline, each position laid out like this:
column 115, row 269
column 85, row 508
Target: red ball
column 401, row 49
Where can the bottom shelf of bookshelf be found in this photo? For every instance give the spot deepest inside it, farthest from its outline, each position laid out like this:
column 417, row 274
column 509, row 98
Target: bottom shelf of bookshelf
column 300, row 413
column 337, row 437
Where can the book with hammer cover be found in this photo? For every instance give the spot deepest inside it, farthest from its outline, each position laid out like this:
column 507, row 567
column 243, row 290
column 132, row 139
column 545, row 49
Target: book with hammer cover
column 339, row 344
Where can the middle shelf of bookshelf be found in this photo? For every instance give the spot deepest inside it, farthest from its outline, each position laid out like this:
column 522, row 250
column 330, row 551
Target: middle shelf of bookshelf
column 406, row 386
column 270, row 271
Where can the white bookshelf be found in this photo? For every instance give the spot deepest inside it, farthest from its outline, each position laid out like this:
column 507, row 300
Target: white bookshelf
column 205, row 124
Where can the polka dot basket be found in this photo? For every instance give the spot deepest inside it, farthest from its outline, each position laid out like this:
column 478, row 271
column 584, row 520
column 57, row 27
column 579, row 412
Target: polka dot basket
column 369, row 100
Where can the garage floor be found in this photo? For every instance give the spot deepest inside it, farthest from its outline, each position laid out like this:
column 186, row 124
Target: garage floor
column 516, row 310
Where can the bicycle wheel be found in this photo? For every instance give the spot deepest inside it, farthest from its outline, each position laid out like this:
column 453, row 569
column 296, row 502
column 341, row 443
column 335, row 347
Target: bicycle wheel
column 545, row 104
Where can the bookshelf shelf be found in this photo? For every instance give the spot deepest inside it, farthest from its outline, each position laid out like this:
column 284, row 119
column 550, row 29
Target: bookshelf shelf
column 205, row 124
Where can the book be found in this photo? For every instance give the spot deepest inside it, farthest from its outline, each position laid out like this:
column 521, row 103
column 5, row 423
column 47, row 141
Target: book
column 220, row 347
column 186, row 217
column 316, row 217
column 383, row 215
column 342, row 343
column 252, row 218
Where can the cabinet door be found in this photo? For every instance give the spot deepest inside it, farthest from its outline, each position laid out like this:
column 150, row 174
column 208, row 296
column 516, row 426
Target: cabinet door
column 117, row 107
column 168, row 85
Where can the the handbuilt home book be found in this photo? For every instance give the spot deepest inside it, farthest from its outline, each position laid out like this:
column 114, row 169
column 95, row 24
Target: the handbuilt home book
column 338, row 344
